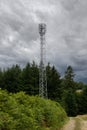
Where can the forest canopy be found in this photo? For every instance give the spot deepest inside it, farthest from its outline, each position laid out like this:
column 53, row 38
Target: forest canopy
column 69, row 93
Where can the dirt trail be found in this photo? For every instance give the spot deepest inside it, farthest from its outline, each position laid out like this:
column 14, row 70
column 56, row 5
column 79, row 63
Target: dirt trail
column 84, row 126
column 70, row 125
column 76, row 123
column 83, row 120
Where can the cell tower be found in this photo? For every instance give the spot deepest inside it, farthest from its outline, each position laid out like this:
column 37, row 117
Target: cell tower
column 42, row 69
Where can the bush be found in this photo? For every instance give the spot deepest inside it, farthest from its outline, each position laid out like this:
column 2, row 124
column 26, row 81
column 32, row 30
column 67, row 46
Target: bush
column 22, row 112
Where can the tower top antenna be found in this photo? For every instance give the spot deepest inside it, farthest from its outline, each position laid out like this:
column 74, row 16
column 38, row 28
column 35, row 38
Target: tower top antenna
column 42, row 29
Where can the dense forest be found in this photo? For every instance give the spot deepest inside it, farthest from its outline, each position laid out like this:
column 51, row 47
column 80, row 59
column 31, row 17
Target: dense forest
column 70, row 94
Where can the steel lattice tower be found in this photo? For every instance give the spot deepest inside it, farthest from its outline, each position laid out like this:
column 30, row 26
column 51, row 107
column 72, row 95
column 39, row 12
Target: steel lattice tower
column 42, row 68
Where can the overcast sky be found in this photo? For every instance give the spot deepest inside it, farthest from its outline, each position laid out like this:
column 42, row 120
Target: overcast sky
column 66, row 35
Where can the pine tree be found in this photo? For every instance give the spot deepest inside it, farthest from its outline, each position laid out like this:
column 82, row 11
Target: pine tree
column 1, row 78
column 69, row 79
column 26, row 78
column 12, row 79
column 84, row 100
column 35, row 78
column 69, row 102
column 53, row 83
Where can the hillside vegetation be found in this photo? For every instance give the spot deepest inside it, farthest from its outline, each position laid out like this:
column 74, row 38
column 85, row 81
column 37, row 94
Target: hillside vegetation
column 23, row 112
column 70, row 94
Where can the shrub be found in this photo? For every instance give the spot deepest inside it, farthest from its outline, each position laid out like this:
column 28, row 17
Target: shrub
column 22, row 112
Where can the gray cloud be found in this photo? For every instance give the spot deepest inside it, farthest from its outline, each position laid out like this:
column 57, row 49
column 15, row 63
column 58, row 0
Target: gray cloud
column 66, row 33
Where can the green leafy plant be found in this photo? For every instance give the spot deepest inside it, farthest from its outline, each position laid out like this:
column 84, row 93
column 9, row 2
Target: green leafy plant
column 22, row 112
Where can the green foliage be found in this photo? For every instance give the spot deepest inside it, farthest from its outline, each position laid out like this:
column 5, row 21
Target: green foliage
column 84, row 100
column 11, row 79
column 69, row 74
column 81, row 99
column 69, row 79
column 22, row 112
column 53, row 83
column 6, row 121
column 69, row 103
column 16, row 79
column 79, row 102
